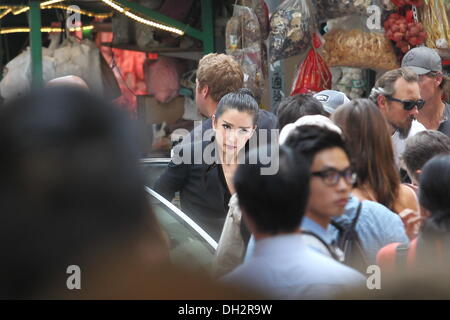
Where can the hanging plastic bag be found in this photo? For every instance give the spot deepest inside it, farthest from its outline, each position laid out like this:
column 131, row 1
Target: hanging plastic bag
column 330, row 9
column 359, row 49
column 162, row 78
column 250, row 61
column 80, row 59
column 17, row 73
column 262, row 13
column 242, row 30
column 349, row 43
column 121, row 27
column 243, row 43
column 291, row 27
column 313, row 75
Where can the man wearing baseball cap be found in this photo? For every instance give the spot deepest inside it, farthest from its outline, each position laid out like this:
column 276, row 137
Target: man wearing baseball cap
column 426, row 62
column 331, row 99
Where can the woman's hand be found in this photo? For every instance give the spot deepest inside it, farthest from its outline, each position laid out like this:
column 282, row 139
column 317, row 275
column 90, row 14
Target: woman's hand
column 412, row 220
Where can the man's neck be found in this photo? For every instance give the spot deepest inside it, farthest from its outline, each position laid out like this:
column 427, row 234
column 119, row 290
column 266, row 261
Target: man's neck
column 432, row 113
column 322, row 221
column 211, row 107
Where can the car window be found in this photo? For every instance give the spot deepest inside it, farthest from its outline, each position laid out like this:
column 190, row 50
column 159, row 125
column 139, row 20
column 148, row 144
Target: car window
column 153, row 168
column 188, row 247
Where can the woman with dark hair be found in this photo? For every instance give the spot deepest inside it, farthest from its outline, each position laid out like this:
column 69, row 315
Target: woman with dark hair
column 434, row 197
column 431, row 248
column 203, row 171
column 367, row 137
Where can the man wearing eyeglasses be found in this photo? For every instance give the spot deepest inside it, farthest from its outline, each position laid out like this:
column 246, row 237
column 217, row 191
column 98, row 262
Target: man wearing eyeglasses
column 397, row 94
column 427, row 64
column 330, row 197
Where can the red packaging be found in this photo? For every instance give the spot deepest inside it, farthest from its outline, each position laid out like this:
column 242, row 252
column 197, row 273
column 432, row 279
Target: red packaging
column 313, row 75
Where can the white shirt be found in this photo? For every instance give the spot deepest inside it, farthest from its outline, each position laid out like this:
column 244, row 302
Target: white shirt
column 399, row 144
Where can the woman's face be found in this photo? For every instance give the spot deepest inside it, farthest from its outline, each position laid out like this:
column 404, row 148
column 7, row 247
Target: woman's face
column 233, row 129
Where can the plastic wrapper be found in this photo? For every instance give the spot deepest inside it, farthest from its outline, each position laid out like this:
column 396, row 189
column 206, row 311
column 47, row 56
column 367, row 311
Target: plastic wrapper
column 313, row 75
column 162, row 78
column 121, row 26
column 264, row 60
column 144, row 35
column 330, row 9
column 242, row 30
column 243, row 42
column 262, row 13
column 17, row 73
column 250, row 61
column 349, row 81
column 80, row 59
column 359, row 49
column 436, row 23
column 291, row 25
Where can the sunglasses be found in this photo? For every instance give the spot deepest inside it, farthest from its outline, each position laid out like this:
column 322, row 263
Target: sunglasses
column 408, row 104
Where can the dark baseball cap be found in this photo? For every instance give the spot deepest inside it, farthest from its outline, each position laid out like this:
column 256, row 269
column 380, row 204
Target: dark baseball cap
column 422, row 60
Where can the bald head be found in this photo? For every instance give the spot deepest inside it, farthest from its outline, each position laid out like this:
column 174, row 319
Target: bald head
column 72, row 81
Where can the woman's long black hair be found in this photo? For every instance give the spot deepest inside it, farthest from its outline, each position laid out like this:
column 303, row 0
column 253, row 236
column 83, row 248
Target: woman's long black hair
column 434, row 195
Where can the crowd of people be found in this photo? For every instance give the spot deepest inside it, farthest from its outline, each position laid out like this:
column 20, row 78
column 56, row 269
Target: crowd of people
column 302, row 202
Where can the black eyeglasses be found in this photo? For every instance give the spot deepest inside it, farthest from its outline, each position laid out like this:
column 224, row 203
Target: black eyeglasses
column 331, row 176
column 409, row 104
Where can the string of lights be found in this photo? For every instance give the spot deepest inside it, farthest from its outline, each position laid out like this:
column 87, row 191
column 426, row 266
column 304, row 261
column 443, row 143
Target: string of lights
column 80, row 11
column 4, row 13
column 139, row 19
column 51, row 4
column 43, row 29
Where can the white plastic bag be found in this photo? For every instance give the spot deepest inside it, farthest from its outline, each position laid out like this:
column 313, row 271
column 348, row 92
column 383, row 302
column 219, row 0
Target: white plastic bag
column 17, row 74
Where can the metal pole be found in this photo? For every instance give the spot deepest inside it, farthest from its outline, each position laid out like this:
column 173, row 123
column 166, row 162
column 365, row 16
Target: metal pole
column 36, row 44
column 208, row 26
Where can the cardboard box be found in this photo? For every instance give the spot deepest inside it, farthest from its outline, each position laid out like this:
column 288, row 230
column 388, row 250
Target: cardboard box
column 153, row 112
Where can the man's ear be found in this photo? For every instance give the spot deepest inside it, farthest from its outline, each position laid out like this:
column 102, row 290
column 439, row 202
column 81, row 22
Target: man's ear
column 439, row 78
column 381, row 101
column 205, row 91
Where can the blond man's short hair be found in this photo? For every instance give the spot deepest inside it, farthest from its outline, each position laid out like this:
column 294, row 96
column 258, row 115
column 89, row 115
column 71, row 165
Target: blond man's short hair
column 221, row 73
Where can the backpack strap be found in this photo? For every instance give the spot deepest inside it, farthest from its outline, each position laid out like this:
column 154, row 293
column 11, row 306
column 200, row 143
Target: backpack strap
column 356, row 218
column 353, row 225
column 326, row 245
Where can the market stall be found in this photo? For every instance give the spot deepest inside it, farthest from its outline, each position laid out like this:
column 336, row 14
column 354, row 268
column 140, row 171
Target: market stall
column 149, row 49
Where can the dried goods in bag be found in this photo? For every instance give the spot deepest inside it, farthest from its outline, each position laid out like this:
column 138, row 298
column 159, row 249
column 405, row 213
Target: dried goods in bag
column 359, row 49
column 243, row 42
column 291, row 26
column 331, row 9
column 250, row 61
column 262, row 13
column 242, row 30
